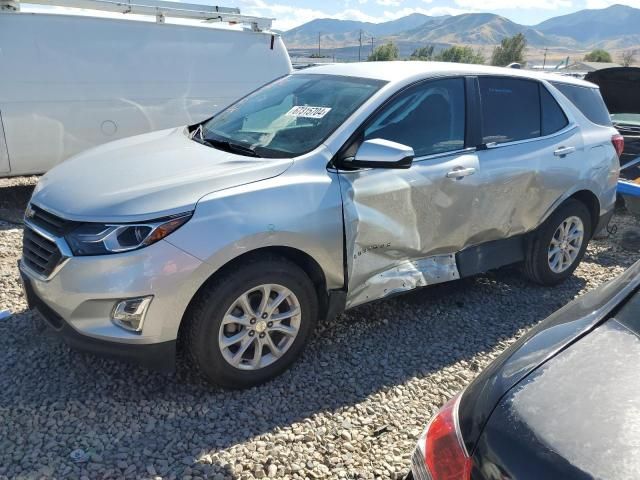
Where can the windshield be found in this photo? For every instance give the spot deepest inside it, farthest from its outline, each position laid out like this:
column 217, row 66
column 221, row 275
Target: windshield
column 290, row 116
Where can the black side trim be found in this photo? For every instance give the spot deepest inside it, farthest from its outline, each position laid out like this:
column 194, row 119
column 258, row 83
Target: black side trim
column 157, row 356
column 603, row 222
column 490, row 255
column 337, row 303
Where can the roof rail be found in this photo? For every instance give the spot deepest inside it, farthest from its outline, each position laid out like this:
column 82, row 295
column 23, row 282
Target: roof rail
column 159, row 8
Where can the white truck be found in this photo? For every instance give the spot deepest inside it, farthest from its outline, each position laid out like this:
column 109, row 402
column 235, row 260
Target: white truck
column 71, row 82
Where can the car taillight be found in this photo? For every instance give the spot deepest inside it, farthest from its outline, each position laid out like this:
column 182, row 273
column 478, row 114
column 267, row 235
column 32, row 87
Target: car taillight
column 618, row 143
column 443, row 453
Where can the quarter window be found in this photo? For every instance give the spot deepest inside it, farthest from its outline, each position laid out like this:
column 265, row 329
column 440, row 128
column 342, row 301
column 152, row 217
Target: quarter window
column 429, row 117
column 553, row 118
column 510, row 109
column 588, row 100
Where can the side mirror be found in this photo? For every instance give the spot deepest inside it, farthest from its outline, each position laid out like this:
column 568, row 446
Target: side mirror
column 380, row 153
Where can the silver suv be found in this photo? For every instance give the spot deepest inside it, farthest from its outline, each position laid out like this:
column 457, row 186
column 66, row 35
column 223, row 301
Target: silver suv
column 326, row 189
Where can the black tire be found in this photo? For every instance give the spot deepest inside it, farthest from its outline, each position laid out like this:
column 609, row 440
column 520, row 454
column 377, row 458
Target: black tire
column 207, row 313
column 536, row 264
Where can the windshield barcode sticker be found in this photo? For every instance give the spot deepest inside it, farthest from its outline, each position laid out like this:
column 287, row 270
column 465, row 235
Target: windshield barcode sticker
column 308, row 112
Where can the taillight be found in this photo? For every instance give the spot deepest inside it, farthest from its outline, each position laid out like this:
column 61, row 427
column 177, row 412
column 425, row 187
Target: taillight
column 618, row 143
column 443, row 452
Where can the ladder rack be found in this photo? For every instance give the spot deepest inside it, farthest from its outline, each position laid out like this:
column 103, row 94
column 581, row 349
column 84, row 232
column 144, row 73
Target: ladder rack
column 159, row 8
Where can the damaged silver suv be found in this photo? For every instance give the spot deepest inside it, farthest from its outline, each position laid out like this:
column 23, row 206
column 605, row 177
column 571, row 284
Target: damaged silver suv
column 328, row 188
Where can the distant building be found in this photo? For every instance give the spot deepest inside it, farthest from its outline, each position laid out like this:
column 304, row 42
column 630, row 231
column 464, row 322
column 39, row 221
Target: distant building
column 302, row 62
column 590, row 66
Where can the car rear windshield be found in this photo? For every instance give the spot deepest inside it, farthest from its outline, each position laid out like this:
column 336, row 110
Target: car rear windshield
column 588, row 100
column 291, row 116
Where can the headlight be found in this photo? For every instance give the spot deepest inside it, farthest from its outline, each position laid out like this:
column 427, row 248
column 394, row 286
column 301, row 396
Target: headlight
column 101, row 239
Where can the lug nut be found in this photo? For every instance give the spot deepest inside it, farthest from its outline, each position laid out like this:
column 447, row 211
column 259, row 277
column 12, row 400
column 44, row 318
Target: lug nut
column 251, row 333
column 252, row 321
column 270, row 324
column 264, row 315
column 262, row 335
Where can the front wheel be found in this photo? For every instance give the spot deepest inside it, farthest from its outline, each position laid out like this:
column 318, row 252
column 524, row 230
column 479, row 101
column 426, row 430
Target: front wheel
column 557, row 247
column 252, row 323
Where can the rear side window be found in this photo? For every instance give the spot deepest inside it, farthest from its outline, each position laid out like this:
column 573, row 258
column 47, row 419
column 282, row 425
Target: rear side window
column 553, row 118
column 588, row 100
column 510, row 109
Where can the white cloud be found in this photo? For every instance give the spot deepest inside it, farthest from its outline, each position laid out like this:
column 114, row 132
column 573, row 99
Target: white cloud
column 608, row 3
column 487, row 5
column 389, row 3
column 433, row 12
column 288, row 17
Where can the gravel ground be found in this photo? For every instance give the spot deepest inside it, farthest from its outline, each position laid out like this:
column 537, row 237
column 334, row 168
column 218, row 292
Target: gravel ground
column 351, row 408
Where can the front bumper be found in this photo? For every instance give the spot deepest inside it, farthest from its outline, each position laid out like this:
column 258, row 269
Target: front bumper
column 155, row 356
column 77, row 302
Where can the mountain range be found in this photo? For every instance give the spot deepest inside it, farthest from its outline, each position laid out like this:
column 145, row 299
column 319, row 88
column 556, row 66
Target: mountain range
column 614, row 28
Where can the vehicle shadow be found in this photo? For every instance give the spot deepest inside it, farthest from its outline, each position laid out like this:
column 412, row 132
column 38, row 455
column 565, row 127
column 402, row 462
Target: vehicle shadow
column 13, row 201
column 349, row 359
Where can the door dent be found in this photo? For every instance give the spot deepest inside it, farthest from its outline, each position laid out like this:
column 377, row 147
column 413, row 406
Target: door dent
column 406, row 276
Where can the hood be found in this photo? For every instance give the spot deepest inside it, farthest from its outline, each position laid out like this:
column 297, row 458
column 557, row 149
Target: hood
column 147, row 176
column 620, row 88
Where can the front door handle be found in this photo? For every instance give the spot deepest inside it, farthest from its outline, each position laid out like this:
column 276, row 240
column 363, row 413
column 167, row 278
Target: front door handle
column 564, row 151
column 460, row 172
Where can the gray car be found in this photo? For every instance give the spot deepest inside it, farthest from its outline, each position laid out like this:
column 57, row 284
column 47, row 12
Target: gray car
column 326, row 189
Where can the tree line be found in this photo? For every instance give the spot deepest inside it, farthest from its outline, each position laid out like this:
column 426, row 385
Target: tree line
column 511, row 50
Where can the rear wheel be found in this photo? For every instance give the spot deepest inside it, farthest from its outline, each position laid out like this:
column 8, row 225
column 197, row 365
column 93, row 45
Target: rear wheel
column 557, row 247
column 252, row 323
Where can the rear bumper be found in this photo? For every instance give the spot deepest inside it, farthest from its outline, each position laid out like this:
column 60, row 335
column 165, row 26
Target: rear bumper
column 155, row 356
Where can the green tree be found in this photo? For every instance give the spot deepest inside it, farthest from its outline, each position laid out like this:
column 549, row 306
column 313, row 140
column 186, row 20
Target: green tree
column 598, row 55
column 422, row 53
column 459, row 54
column 510, row 50
column 388, row 51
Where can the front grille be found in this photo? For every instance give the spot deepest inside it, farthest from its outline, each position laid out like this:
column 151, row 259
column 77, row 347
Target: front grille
column 50, row 222
column 39, row 254
column 419, row 466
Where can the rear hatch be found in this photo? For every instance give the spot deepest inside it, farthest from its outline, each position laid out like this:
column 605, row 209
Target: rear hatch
column 540, row 344
column 575, row 416
column 620, row 88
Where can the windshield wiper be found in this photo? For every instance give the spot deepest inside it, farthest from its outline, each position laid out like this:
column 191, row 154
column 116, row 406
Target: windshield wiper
column 230, row 147
column 226, row 145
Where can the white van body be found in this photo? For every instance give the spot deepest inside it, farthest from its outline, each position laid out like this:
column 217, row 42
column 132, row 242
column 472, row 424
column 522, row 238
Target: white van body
column 68, row 82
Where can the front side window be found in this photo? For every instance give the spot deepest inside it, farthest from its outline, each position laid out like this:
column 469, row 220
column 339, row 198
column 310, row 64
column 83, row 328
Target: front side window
column 429, row 117
column 290, row 116
column 510, row 109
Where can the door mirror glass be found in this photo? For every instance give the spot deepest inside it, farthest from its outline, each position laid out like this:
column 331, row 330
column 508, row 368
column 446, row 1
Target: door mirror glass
column 380, row 153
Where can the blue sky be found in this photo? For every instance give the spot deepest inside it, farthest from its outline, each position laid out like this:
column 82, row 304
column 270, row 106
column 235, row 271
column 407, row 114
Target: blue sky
column 291, row 13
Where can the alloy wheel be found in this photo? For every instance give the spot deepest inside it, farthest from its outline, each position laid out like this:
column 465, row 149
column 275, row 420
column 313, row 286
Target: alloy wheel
column 566, row 244
column 259, row 327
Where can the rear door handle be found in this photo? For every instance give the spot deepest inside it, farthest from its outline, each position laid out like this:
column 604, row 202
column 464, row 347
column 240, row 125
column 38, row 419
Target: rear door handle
column 460, row 172
column 563, row 151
